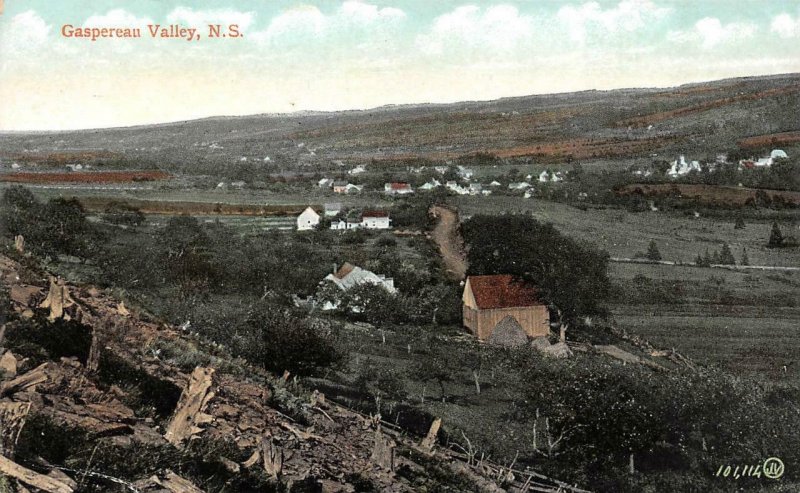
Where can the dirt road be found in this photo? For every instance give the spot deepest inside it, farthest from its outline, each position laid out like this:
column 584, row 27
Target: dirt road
column 448, row 238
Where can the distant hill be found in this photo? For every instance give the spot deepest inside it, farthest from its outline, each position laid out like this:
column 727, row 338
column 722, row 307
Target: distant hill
column 626, row 123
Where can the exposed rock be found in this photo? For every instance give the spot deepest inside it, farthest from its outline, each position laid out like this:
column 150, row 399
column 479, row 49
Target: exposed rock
column 558, row 350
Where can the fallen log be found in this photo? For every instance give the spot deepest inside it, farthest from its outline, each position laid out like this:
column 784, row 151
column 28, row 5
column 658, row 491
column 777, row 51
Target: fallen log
column 24, row 382
column 189, row 413
column 430, row 439
column 31, row 478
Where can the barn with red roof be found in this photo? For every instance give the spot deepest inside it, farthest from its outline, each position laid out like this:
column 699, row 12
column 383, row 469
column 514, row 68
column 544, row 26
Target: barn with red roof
column 489, row 299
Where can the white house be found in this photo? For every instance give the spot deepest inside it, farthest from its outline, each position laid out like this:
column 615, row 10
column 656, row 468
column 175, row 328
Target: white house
column 357, row 170
column 494, row 183
column 434, row 183
column 519, row 186
column 325, row 183
column 341, row 224
column 349, row 276
column 475, row 188
column 465, row 173
column 376, row 220
column 777, row 153
column 455, row 187
column 350, row 188
column 681, row 167
column 307, row 220
column 544, row 176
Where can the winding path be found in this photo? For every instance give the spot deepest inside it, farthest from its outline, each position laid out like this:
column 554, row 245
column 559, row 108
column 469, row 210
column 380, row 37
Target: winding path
column 448, row 239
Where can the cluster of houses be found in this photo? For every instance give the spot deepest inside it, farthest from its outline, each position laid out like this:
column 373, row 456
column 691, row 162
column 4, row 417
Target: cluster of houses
column 340, row 186
column 764, row 161
column 681, row 166
column 341, row 219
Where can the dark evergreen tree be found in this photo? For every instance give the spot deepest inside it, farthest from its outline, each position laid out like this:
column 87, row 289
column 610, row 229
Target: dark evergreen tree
column 775, row 236
column 726, row 256
column 652, row 251
column 744, row 260
column 739, row 223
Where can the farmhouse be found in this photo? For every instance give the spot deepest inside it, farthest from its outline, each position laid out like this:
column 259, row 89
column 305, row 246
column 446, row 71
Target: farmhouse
column 376, row 220
column 349, row 276
column 307, row 220
column 397, row 188
column 488, row 300
column 368, row 219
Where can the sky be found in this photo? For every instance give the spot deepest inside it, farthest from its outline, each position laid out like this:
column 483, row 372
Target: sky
column 329, row 55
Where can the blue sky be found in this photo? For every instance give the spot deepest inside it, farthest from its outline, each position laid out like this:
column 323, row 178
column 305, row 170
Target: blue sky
column 329, row 55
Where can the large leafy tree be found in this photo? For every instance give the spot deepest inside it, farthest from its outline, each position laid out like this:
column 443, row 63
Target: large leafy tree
column 571, row 275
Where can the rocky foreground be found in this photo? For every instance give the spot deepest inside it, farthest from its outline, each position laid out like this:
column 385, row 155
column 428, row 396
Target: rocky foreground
column 293, row 439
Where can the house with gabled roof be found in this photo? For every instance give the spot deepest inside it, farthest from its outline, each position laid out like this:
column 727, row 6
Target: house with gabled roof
column 488, row 300
column 397, row 188
column 349, row 276
column 307, row 220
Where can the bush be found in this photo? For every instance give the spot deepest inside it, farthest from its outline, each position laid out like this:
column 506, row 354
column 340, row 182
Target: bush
column 277, row 341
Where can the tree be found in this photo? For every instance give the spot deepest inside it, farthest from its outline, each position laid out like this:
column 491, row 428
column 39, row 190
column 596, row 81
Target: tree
column 274, row 339
column 726, row 256
column 652, row 251
column 569, row 274
column 739, row 224
column 775, row 236
column 186, row 256
column 744, row 260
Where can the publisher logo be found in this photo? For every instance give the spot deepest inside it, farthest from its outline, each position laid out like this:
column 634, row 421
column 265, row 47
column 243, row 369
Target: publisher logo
column 773, row 468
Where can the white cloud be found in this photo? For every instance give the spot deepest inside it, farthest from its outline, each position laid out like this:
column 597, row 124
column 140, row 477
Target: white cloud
column 364, row 12
column 785, row 26
column 500, row 27
column 627, row 16
column 710, row 32
column 201, row 18
column 352, row 18
column 117, row 18
column 25, row 32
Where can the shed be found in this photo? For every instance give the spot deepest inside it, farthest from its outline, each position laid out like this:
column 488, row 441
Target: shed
column 487, row 300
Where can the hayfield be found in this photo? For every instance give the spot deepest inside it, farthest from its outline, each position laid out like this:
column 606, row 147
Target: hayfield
column 747, row 322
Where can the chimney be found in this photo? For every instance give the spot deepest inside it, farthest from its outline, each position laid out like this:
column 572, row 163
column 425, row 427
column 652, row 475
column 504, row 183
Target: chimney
column 334, row 268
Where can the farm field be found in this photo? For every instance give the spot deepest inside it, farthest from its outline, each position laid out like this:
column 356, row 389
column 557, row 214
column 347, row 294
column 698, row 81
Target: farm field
column 745, row 322
column 625, row 234
column 84, row 176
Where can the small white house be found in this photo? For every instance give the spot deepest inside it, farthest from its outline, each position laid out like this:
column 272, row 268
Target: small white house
column 777, row 153
column 307, row 220
column 523, row 185
column 357, row 170
column 325, row 183
column 544, row 176
column 431, row 185
column 376, row 220
column 350, row 188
